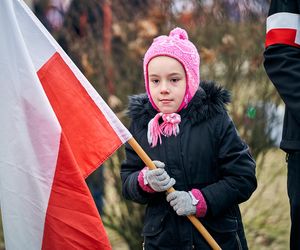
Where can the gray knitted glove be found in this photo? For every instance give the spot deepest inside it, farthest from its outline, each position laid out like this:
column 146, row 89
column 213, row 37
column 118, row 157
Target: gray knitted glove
column 158, row 179
column 183, row 203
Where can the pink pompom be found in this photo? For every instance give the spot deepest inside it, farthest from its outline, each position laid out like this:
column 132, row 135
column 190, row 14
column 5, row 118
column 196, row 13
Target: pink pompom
column 180, row 33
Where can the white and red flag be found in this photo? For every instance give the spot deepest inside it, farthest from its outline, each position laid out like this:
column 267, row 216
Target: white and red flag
column 54, row 131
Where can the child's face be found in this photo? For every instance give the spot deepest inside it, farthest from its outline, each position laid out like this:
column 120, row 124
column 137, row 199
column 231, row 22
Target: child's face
column 167, row 83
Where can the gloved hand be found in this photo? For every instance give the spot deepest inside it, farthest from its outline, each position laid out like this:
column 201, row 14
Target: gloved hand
column 158, row 179
column 183, row 203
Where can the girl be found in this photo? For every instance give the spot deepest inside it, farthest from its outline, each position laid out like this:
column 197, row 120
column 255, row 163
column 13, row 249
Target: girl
column 197, row 149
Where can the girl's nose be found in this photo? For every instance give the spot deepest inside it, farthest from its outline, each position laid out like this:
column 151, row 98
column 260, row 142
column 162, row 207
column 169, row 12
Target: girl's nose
column 164, row 88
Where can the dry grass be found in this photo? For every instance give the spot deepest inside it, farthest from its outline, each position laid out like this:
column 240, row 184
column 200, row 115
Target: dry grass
column 116, row 241
column 266, row 214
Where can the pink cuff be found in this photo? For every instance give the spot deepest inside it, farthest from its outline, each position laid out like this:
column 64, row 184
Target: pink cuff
column 201, row 207
column 141, row 181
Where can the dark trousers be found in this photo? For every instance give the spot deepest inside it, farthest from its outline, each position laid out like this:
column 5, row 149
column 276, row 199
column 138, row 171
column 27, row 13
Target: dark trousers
column 293, row 186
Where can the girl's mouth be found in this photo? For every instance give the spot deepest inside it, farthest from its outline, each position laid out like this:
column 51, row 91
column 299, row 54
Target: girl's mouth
column 165, row 101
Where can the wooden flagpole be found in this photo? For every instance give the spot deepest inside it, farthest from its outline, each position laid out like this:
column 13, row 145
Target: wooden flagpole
column 146, row 159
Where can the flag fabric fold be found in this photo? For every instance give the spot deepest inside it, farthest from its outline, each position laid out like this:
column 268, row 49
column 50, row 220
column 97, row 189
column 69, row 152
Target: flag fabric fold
column 55, row 131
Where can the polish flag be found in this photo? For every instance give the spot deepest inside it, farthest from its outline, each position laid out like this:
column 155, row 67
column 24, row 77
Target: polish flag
column 283, row 28
column 54, row 131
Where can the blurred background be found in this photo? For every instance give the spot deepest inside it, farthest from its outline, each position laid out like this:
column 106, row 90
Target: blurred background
column 107, row 40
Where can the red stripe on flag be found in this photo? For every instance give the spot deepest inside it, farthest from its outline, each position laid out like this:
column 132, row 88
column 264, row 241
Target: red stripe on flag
column 281, row 36
column 72, row 220
column 90, row 136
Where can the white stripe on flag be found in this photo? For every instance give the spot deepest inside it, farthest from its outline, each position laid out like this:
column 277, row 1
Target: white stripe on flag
column 283, row 20
column 30, row 137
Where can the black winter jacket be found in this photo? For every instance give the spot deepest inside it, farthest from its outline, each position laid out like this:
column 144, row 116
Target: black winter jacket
column 282, row 64
column 208, row 155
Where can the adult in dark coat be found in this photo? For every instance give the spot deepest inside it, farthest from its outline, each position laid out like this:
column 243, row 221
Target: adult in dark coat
column 282, row 64
column 208, row 155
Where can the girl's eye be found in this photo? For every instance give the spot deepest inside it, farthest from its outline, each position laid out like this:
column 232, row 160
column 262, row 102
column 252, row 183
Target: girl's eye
column 155, row 81
column 174, row 80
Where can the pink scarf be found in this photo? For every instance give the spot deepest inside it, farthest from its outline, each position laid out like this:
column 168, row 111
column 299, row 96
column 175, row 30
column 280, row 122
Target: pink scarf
column 169, row 126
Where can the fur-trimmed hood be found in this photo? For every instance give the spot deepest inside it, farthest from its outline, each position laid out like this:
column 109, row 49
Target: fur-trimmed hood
column 209, row 100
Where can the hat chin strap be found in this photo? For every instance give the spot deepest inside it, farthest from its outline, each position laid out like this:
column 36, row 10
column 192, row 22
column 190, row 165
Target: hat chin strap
column 169, row 127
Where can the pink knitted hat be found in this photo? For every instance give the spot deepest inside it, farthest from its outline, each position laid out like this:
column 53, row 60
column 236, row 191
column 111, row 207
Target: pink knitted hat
column 177, row 46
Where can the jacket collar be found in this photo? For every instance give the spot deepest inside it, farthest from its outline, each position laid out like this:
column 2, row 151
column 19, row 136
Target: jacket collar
column 209, row 100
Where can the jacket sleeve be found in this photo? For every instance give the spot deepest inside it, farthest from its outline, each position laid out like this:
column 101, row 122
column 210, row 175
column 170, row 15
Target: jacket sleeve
column 236, row 169
column 282, row 64
column 282, row 53
column 130, row 170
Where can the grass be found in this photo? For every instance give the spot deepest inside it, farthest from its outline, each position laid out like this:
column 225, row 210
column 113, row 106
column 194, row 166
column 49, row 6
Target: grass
column 266, row 214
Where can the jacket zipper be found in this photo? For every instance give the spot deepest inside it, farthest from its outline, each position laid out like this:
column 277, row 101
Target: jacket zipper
column 182, row 162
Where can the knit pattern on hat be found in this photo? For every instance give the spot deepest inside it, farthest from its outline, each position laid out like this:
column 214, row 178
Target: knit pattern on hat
column 177, row 46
